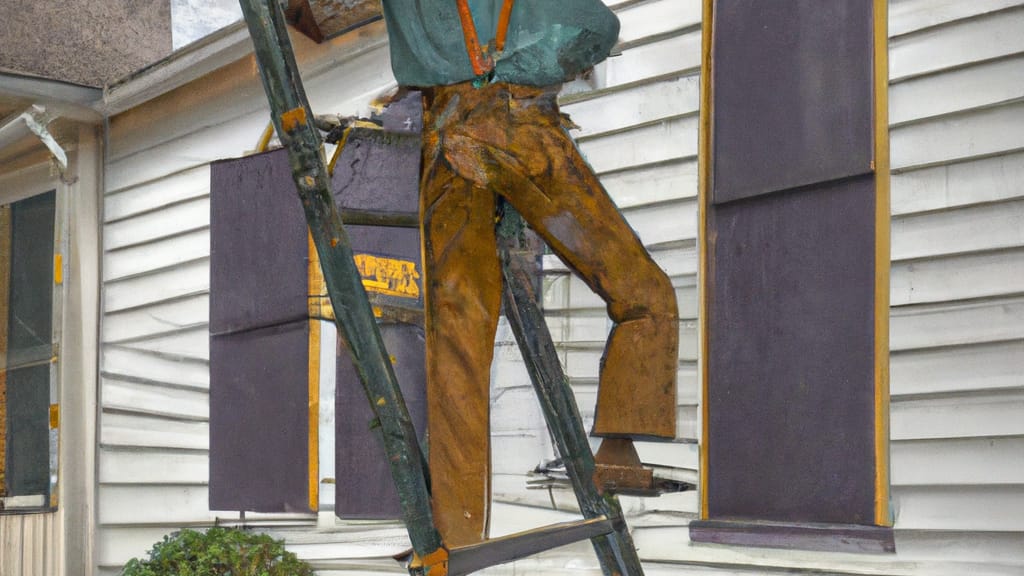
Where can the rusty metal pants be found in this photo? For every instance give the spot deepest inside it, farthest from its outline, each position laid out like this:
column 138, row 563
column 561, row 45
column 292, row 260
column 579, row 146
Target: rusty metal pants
column 508, row 140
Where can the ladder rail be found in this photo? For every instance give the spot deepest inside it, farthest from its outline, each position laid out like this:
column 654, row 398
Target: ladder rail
column 292, row 119
column 615, row 551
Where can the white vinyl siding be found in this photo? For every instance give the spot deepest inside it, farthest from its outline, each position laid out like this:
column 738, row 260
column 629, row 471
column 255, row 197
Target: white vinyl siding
column 957, row 330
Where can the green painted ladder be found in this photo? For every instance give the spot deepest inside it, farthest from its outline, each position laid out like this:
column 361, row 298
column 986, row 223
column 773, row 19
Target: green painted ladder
column 604, row 523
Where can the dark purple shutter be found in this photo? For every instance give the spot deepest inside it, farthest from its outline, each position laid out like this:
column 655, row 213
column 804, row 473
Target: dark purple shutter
column 259, row 351
column 379, row 171
column 791, row 269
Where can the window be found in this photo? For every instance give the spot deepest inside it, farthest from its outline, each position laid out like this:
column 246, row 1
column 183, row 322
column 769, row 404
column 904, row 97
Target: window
column 290, row 427
column 29, row 288
column 794, row 212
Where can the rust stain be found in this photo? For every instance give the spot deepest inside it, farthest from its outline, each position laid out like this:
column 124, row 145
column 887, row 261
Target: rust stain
column 293, row 118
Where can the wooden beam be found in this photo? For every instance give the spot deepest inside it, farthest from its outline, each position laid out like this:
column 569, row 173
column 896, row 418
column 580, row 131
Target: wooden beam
column 324, row 19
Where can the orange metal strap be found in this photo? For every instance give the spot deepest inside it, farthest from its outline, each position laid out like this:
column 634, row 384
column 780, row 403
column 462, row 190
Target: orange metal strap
column 476, row 55
column 503, row 19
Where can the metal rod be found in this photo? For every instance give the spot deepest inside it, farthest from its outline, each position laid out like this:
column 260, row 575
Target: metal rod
column 293, row 121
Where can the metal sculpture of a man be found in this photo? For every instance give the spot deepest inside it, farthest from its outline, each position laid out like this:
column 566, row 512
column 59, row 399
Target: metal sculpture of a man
column 490, row 71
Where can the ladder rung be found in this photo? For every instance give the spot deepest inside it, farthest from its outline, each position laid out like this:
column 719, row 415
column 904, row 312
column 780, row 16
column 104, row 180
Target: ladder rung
column 466, row 559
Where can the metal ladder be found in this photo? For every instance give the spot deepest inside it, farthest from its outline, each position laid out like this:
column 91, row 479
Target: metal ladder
column 604, row 524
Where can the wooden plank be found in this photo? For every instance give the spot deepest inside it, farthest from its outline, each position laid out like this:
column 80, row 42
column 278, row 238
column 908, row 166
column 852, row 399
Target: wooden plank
column 652, row 183
column 983, row 84
column 964, row 183
column 235, row 91
column 38, row 545
column 960, row 43
column 973, row 228
column 646, row 19
column 12, row 543
column 156, row 320
column 665, row 141
column 666, row 56
column 155, row 400
column 125, row 362
column 825, row 538
column 979, row 415
column 259, row 396
column 155, row 195
column 934, row 325
column 671, row 544
column 637, row 104
column 655, row 226
column 192, row 344
column 153, row 505
column 186, row 280
column 907, row 16
column 186, row 216
column 958, row 369
column 678, row 262
column 991, row 548
column 982, row 508
column 158, row 255
column 117, row 545
column 958, row 461
column 814, row 100
column 145, row 431
column 153, row 466
column 228, row 139
column 259, row 261
column 669, row 454
column 964, row 136
column 961, row 277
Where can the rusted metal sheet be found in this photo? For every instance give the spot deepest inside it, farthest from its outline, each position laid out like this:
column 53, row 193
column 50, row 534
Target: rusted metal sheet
column 325, row 19
column 792, row 94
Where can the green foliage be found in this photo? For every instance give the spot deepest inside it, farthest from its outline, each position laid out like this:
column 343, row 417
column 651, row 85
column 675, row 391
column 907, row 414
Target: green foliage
column 218, row 552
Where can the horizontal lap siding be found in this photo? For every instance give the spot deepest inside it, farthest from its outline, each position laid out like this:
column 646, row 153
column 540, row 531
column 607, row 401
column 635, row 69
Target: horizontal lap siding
column 957, row 368
column 154, row 430
column 957, row 293
column 638, row 130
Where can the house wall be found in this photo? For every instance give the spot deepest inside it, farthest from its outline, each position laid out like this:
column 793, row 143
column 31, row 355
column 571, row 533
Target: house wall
column 957, row 333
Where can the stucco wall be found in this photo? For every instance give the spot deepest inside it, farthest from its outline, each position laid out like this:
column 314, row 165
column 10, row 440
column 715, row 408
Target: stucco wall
column 83, row 41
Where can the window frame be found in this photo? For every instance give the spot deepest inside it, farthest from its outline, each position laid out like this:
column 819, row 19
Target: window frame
column 21, row 185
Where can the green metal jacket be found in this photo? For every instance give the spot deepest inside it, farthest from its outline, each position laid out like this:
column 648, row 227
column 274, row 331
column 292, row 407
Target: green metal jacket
column 549, row 41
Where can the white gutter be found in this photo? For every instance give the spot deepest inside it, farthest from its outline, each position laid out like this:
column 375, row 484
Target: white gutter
column 64, row 99
column 193, row 61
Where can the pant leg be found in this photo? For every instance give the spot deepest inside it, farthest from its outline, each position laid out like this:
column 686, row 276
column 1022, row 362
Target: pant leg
column 462, row 299
column 532, row 161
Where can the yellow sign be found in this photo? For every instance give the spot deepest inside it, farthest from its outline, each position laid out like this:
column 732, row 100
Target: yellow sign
column 388, row 275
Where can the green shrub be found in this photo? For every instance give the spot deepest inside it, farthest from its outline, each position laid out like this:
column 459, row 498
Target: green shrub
column 218, row 552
